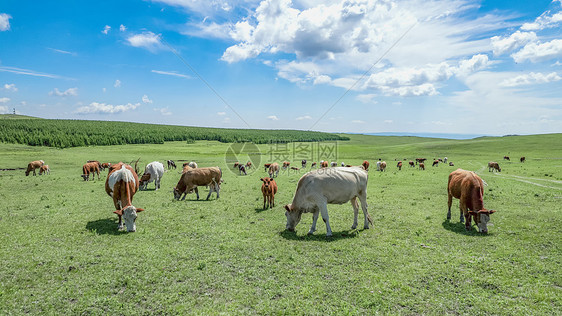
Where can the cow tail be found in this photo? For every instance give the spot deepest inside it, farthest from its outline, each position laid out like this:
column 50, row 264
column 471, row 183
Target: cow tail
column 370, row 219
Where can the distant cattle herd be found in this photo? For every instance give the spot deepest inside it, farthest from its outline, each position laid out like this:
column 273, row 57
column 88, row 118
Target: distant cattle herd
column 315, row 189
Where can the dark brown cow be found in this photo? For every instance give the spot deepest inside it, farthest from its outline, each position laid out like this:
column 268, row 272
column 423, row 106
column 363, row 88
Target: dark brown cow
column 506, row 158
column 468, row 187
column 268, row 189
column 313, row 165
column 99, row 163
column 236, row 164
column 34, row 165
column 420, row 160
column 121, row 184
column 421, row 166
column 399, row 165
column 266, row 166
column 411, row 163
column 190, row 180
column 365, row 165
column 286, row 165
column 435, row 163
column 324, row 164
column 295, row 168
column 90, row 168
column 492, row 165
column 522, row 159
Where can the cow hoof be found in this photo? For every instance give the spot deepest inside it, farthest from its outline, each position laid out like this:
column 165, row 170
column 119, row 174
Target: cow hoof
column 329, row 235
column 354, row 226
column 366, row 227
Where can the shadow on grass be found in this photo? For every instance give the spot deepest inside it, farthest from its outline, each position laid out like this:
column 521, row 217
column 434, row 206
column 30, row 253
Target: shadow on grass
column 259, row 209
column 459, row 228
column 104, row 226
column 320, row 236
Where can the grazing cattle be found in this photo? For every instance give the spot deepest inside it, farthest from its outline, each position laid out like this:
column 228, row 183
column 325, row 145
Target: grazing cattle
column 334, row 164
column 421, row 166
column 171, row 164
column 236, row 164
column 242, row 170
column 435, row 163
column 90, row 168
column 522, row 159
column 267, row 165
column 248, row 165
column 193, row 178
column 365, row 165
column 34, row 165
column 324, row 164
column 411, row 163
column 286, row 165
column 439, row 160
column 469, row 189
column 383, row 166
column 313, row 165
column 121, row 184
column 273, row 170
column 494, row 165
column 99, row 163
column 303, row 163
column 44, row 169
column 105, row 165
column 420, row 160
column 399, row 165
column 445, row 160
column 506, row 158
column 379, row 165
column 451, row 163
column 268, row 189
column 153, row 172
column 316, row 189
column 342, row 164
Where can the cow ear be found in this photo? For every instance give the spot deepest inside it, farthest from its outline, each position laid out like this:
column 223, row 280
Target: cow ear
column 288, row 207
column 491, row 211
column 140, row 209
column 261, row 179
column 118, row 212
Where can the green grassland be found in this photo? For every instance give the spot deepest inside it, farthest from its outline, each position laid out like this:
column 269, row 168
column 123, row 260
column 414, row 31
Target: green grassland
column 61, row 253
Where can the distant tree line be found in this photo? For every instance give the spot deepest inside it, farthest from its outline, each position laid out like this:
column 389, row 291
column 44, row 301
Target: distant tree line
column 76, row 133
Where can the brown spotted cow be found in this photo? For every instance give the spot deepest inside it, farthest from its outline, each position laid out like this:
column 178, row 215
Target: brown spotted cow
column 121, row 184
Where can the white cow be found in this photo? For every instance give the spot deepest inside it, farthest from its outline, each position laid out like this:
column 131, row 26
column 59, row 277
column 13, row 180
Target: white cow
column 378, row 165
column 153, row 172
column 318, row 188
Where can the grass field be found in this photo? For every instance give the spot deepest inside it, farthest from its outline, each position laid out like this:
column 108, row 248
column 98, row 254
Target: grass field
column 61, row 253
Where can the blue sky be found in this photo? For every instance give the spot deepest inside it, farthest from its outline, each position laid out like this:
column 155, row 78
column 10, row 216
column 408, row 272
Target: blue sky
column 425, row 66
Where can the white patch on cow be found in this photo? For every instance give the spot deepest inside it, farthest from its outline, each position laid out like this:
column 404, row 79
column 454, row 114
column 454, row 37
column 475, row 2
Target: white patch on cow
column 122, row 174
column 156, row 170
column 130, row 216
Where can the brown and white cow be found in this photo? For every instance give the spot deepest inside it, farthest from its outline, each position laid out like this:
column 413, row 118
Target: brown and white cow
column 492, row 165
column 286, row 164
column 273, row 170
column 268, row 189
column 383, row 166
column 421, row 166
column 91, row 168
column 303, row 163
column 44, row 170
column 266, row 166
column 522, row 159
column 34, row 165
column 121, row 184
column 399, row 165
column 105, row 165
column 313, row 165
column 435, row 163
column 468, row 187
column 249, row 165
column 193, row 178
column 365, row 165
column 316, row 189
column 324, row 164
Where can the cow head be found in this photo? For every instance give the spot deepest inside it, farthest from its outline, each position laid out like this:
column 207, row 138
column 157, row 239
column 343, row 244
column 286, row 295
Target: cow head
column 144, row 180
column 177, row 193
column 293, row 217
column 267, row 182
column 85, row 177
column 129, row 216
column 481, row 218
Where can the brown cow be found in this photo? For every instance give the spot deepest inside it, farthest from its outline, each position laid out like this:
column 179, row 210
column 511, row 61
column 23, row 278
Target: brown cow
column 273, row 170
column 295, row 168
column 34, row 165
column 494, row 165
column 266, row 166
column 248, row 165
column 99, row 163
column 193, row 178
column 121, row 184
column 236, row 164
column 313, row 165
column 421, row 166
column 435, row 163
column 324, row 164
column 383, row 166
column 44, row 170
column 411, row 163
column 506, row 158
column 91, row 168
column 420, row 160
column 268, row 189
column 365, row 165
column 286, row 165
column 105, row 165
column 469, row 189
column 522, row 159
column 399, row 165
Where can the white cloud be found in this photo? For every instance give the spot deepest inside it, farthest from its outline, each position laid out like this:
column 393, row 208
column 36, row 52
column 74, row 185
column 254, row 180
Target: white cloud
column 366, row 98
column 221, row 113
column 535, row 52
column 171, row 73
column 62, row 51
column 28, row 72
column 66, row 93
column 4, row 109
column 306, row 117
column 122, row 28
column 145, row 99
column 106, row 29
column 163, row 111
column 545, row 21
column 117, row 83
column 11, row 87
column 4, row 100
column 102, row 108
column 531, row 78
column 5, row 21
column 502, row 45
column 273, row 118
column 146, row 40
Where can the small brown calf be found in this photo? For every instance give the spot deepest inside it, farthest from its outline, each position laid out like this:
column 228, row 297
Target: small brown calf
column 268, row 189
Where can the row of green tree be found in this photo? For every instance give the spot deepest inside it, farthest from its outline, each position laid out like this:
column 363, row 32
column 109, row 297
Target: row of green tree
column 75, row 133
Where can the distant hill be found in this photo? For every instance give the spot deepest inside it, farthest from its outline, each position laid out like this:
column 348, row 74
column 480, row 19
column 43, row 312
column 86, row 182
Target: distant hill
column 429, row 135
column 17, row 117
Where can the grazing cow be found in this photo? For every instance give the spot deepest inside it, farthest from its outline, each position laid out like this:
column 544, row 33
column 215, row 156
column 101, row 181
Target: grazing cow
column 236, row 164
column 421, row 166
column 445, row 160
column 99, row 163
column 435, row 163
column 365, row 165
column 153, row 172
column 286, row 165
column 90, row 168
column 242, row 170
column 342, row 164
column 273, row 170
column 469, row 189
column 313, row 165
column 193, row 178
column 522, row 159
column 171, row 164
column 399, row 165
column 121, row 184
column 295, row 168
column 267, row 165
column 383, row 166
column 334, row 164
column 494, row 165
column 105, row 165
column 316, row 189
column 268, row 189
column 248, row 165
column 34, row 165
column 506, row 158
column 379, row 165
column 451, row 163
column 44, row 169
column 303, row 163
column 420, row 160
column 411, row 163
column 324, row 164
column 439, row 160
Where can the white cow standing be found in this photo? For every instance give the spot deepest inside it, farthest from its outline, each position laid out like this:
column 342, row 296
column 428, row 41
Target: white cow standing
column 153, row 172
column 318, row 188
column 379, row 165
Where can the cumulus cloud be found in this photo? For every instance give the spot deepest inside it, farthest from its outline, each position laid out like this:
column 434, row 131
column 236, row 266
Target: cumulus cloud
column 273, row 118
column 306, row 117
column 117, row 83
column 5, row 21
column 537, row 52
column 106, row 29
column 147, row 40
column 145, row 99
column 102, row 108
column 10, row 87
column 530, row 78
column 66, row 93
column 502, row 45
column 545, row 21
column 4, row 100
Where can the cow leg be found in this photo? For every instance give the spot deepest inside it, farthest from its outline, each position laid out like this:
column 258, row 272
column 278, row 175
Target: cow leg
column 363, row 200
column 314, row 219
column 271, row 200
column 210, row 191
column 355, row 212
column 464, row 212
column 264, row 201
column 197, row 192
column 324, row 212
column 449, row 202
